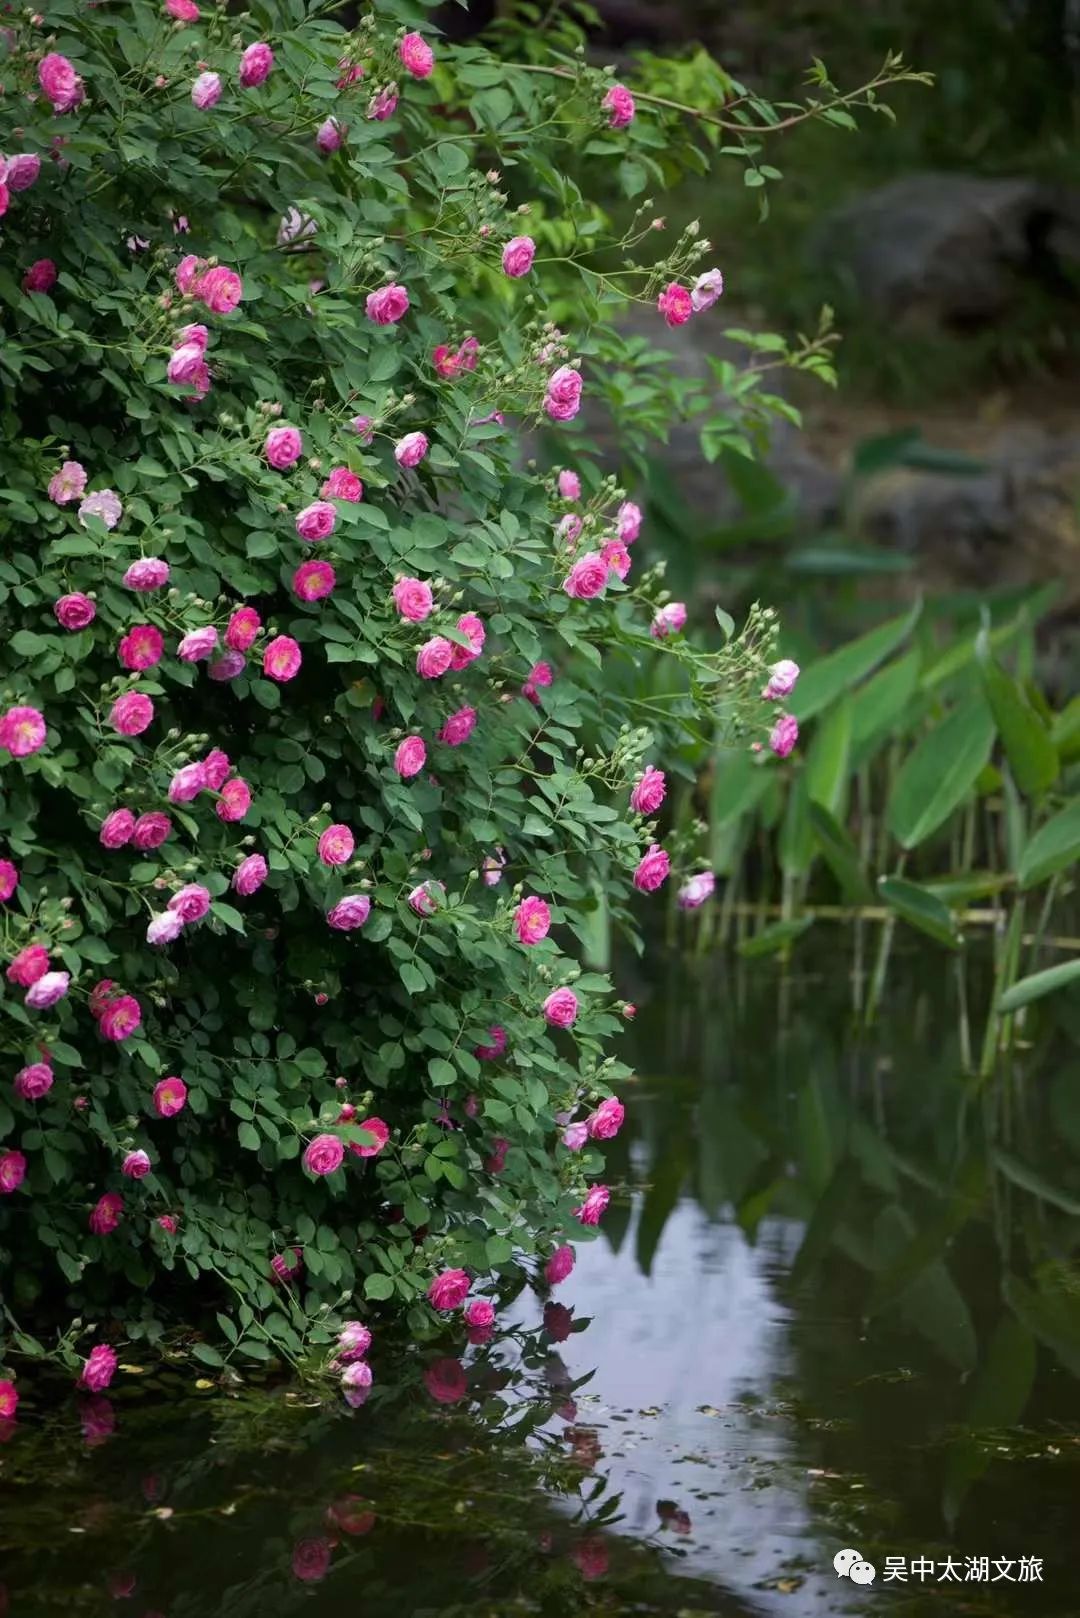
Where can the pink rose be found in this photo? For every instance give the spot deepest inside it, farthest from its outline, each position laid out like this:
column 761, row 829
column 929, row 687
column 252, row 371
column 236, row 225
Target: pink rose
column 349, row 913
column 186, row 364
column 336, row 845
column 9, row 1404
column 182, row 10
column 587, row 577
column 148, row 574
column 518, row 255
column 23, row 170
column 235, row 800
column 561, row 1008
column 255, row 65
column 782, row 678
column 491, row 1052
column 649, row 791
column 60, row 82
column 693, row 894
column 363, row 427
column 152, row 829
column 628, row 522
column 481, row 1312
column 383, row 104
column 190, row 902
column 283, row 447
column 40, row 277
column 311, row 1559
column 281, row 659
column 198, row 644
column 329, row 135
column 387, row 306
column 324, row 1154
column 532, row 920
column 170, row 1097
column 74, row 611
column 117, row 829
column 356, row 1379
column 411, row 756
column 104, row 504
column 283, row 1266
column 131, row 713
column 562, row 400
column 591, row 1209
column 427, row 898
column 619, row 105
column 569, row 529
column 12, row 1172
column 413, row 599
column 221, row 289
column 188, row 274
column 68, row 484
column 141, row 647
column 410, row 450
column 9, row 880
column 446, row 1382
column 168, row 1223
column 206, row 91
column 448, row 1290
column 316, row 521
column 29, row 964
column 379, row 1133
column 120, row 1018
column 541, row 675
column 459, row 727
column 106, row 1214
column 470, row 625
column 217, row 768
column 445, row 362
column 607, row 1120
column 652, row 870
column 342, row 485
column 569, row 486
column 574, row 1136
column 354, row 1338
column 250, row 875
column 243, row 627
column 417, row 56
column 493, row 867
column 227, row 666
column 668, row 620
column 99, row 1369
column 33, row 1082
column 784, row 735
column 434, row 657
column 591, row 1556
column 136, row 1165
column 314, row 581
column 164, row 928
column 616, row 557
column 706, row 289
column 559, row 1265
column 675, row 304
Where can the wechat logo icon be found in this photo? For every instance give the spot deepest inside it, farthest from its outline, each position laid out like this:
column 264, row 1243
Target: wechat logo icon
column 850, row 1565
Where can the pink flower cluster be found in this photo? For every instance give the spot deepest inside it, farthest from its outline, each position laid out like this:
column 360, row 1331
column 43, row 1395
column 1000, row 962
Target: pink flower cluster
column 677, row 303
column 219, row 288
column 187, row 365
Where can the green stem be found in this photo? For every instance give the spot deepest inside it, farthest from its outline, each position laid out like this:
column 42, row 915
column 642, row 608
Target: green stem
column 881, row 964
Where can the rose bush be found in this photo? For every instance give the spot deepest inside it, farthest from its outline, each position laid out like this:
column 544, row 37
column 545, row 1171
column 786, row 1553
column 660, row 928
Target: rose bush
column 294, row 633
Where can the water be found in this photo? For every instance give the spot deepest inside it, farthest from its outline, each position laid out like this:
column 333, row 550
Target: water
column 835, row 1307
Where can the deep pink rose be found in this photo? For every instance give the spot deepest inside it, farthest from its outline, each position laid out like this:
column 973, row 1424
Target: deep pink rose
column 427, row 898
column 472, row 626
column 217, row 767
column 255, row 65
column 336, row 845
column 448, row 1290
column 561, row 1008
column 242, row 629
column 141, row 647
column 387, row 306
column 784, row 735
column 170, row 1097
column 120, row 1018
column 183, row 10
column 131, row 713
column 668, row 620
column 74, row 611
column 417, row 56
column 22, row 731
column 235, row 800
column 206, row 91
column 648, row 792
column 532, row 920
column 591, row 1209
column 558, row 1321
column 34, row 1081
column 562, row 400
column 314, row 581
column 283, row 448
column 652, row 870
column 221, row 289
column 150, row 573
column 518, row 255
column 99, row 1369
column 68, row 484
column 12, row 1172
column 117, row 828
column 490, row 1053
column 383, row 104
column 459, row 727
column 559, row 1265
column 250, row 875
column 9, row 1404
column 616, row 558
column 106, row 1214
column 410, row 757
column 311, row 1559
column 342, row 485
column 675, row 304
column 410, row 450
column 29, row 964
column 60, row 82
column 434, row 657
column 413, row 599
column 186, row 364
column 587, row 577
column 481, row 1312
column 541, row 675
column 136, row 1165
column 379, row 1133
column 591, row 1556
column 324, row 1154
column 152, row 829
column 9, row 880
column 607, row 1120
column 281, row 659
column 316, row 521
column 619, row 105
column 349, row 913
column 189, row 273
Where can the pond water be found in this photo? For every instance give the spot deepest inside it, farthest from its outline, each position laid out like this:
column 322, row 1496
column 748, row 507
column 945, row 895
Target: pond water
column 834, row 1307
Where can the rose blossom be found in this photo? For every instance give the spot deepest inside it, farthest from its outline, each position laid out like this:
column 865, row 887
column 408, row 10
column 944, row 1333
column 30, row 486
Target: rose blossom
column 354, row 1338
column 68, row 484
column 574, row 1136
column 628, row 521
column 281, row 659
column 243, row 627
column 12, row 1172
column 492, row 867
column 445, row 363
column 60, row 82
column 182, row 10
column 652, row 870
column 694, row 893
column 235, row 800
column 518, row 255
column 363, row 427
column 784, row 735
column 569, row 486
column 470, row 625
column 216, row 767
column 189, row 273
column 283, row 1266
column 426, row 898
column 675, row 304
column 562, row 399
column 410, row 757
column 324, row 1155
column 283, row 447
column 141, row 647
column 170, row 1097
column 386, row 306
column 342, row 484
column 541, row 675
column 448, row 1290
column 668, row 620
column 569, row 529
column 250, row 875
column 336, row 845
column 616, row 558
column 434, row 657
column 446, row 1382
column 619, row 105
column 136, row 1165
column 28, row 965
column 490, row 1053
column 561, row 1008
column 106, row 1214
column 314, row 581
column 410, row 450
column 416, row 55
column 316, row 521
column 255, row 65
column 99, row 1369
column 380, row 1134
column 706, row 289
column 356, row 1379
column 782, row 678
column 186, row 364
column 74, row 611
column 22, row 731
column 33, row 1082
column 227, row 666
column 131, row 713
column 167, row 1223
column 221, row 289
column 9, row 1404
column 595, row 1202
column 197, row 645
column 559, row 1265
column 459, row 727
column 104, row 504
column 120, row 1018
column 117, row 828
column 383, row 103
column 587, row 577
column 350, row 912
column 532, row 920
column 150, row 573
column 648, row 791
column 481, row 1312
column 206, row 91
column 23, row 170
column 190, row 902
column 607, row 1120
column 9, row 880
column 152, row 829
column 329, row 135
column 413, row 599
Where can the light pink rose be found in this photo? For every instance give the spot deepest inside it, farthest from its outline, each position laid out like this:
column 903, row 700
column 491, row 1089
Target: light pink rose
column 628, row 522
column 103, row 504
column 164, row 928
column 383, row 103
column 283, row 447
column 314, row 581
column 131, row 713
column 358, row 1376
column 782, row 678
column 675, row 304
column 255, row 65
column 363, row 427
column 250, row 875
column 191, row 902
column 221, row 289
column 559, row 1265
column 518, row 255
column 282, row 659
column 616, row 558
column 316, row 521
column 354, row 1338
column 324, row 1154
column 532, row 920
column 117, row 829
column 784, row 735
column 417, row 56
column 329, row 135
column 170, row 1097
column 574, row 1136
column 189, row 273
column 186, row 364
column 652, row 870
column 587, row 577
column 149, row 573
column 235, row 800
column 34, row 1081
column 595, row 1202
column 31, row 963
column 342, row 484
column 206, row 91
column 471, row 625
column 60, row 82
column 561, row 1008
column 22, row 171
column 706, row 289
column 569, row 486
column 141, row 647
column 198, row 644
column 336, row 845
column 410, row 757
column 569, row 529
column 136, row 1165
column 187, row 783
column 607, row 1120
column 668, row 620
column 434, row 657
column 22, row 731
column 427, row 898
column 693, row 893
column 68, row 484
column 459, row 727
column 99, row 1369
column 410, row 450
column 242, row 629
column 12, row 1172
column 349, row 913
column 386, row 306
column 448, row 1290
column 492, row 867
column 152, row 829
column 170, row 1225
column 619, row 105
column 74, row 611
column 413, row 599
column 648, row 791
column 562, row 399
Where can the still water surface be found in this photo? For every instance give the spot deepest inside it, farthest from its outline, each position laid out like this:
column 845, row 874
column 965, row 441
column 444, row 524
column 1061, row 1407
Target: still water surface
column 836, row 1307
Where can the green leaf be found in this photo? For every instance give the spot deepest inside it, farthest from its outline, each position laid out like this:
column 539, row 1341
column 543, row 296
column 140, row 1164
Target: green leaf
column 1052, row 1317
column 883, row 698
column 499, row 1250
column 941, row 770
column 208, row 1355
column 1054, row 846
column 378, row 1287
column 828, row 759
column 1021, row 1175
column 776, row 937
column 1037, row 985
column 441, row 1072
column 838, row 850
column 1032, row 755
column 825, row 680
column 920, row 908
